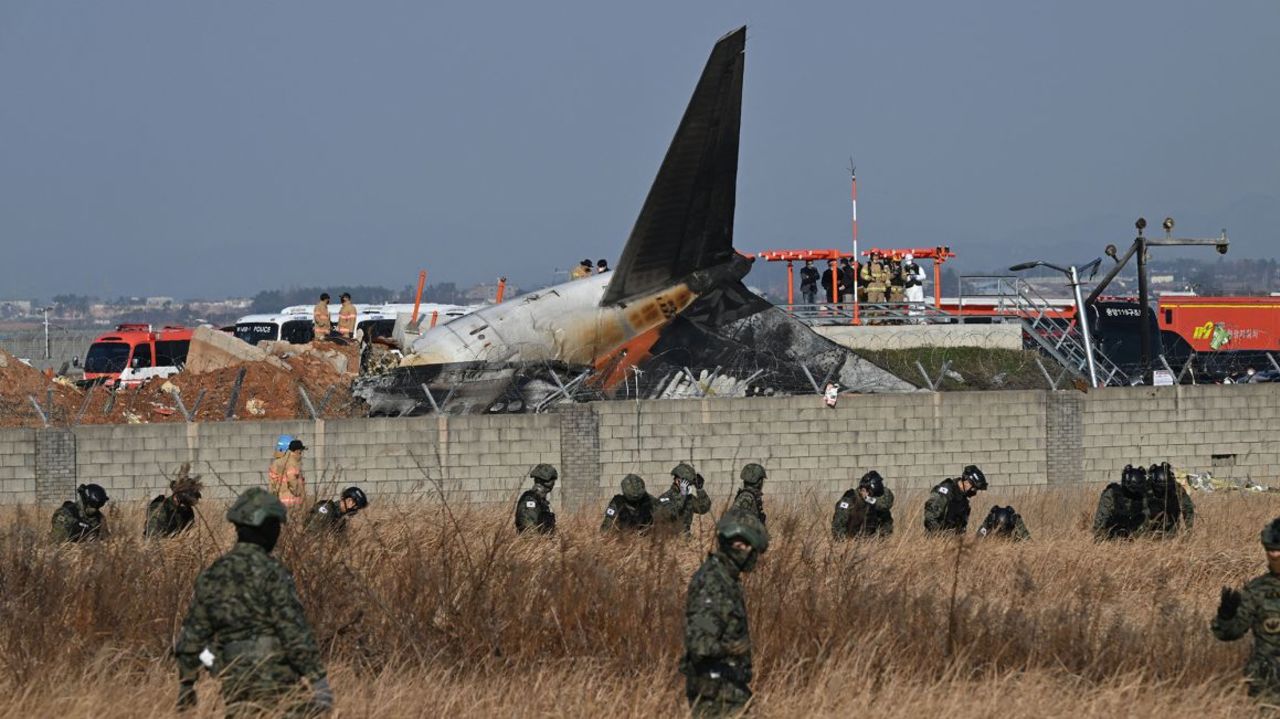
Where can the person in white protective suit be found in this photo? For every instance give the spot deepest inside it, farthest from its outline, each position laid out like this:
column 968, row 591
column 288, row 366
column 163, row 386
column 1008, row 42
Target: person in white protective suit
column 913, row 284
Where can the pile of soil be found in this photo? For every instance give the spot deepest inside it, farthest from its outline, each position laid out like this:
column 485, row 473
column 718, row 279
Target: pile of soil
column 266, row 392
column 18, row 382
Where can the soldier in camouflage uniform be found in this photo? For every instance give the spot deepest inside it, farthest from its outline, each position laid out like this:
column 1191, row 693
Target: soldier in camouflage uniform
column 677, row 505
column 173, row 515
column 1004, row 523
column 751, row 497
column 246, row 624
column 533, row 510
column 331, row 516
column 1168, row 506
column 1257, row 609
column 632, row 510
column 947, row 509
column 81, row 520
column 1122, row 507
column 717, row 644
column 864, row 510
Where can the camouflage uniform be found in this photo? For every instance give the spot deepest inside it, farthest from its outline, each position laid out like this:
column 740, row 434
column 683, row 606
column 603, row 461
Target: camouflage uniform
column 1004, row 522
column 631, row 510
column 676, row 509
column 1122, row 507
column 1168, row 506
column 947, row 509
column 717, row 643
column 173, row 515
column 1256, row 609
column 751, row 497
column 247, row 614
column 75, row 522
column 533, row 510
column 858, row 516
column 326, row 516
column 167, row 518
column 81, row 520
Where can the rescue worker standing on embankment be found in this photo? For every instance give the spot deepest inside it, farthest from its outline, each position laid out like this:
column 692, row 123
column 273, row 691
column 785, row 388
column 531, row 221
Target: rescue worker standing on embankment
column 320, row 317
column 346, row 318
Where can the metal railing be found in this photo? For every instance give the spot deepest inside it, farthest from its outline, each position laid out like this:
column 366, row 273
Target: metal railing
column 887, row 313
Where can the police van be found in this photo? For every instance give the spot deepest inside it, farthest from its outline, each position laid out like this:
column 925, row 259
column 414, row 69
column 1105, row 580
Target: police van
column 294, row 324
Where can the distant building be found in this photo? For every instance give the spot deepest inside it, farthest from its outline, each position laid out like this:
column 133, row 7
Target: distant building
column 15, row 308
column 155, row 302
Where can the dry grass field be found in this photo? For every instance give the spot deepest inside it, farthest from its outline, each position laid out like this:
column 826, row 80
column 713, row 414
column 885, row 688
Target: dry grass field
column 439, row 611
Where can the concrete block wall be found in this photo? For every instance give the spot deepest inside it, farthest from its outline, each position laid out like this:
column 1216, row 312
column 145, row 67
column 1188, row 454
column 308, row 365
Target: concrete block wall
column 17, row 466
column 1025, row 438
column 913, row 440
column 1229, row 430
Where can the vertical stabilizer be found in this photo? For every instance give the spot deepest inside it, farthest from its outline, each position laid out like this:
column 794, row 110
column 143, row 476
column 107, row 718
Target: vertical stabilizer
column 686, row 223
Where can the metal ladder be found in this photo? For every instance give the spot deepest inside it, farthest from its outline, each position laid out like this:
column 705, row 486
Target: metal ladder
column 1058, row 337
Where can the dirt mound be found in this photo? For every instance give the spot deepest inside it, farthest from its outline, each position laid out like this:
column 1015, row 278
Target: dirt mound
column 266, row 392
column 19, row 381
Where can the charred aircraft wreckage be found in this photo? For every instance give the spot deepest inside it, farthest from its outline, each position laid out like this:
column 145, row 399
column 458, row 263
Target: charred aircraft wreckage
column 673, row 319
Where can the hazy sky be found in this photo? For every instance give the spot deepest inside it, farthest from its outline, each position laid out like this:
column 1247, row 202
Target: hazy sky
column 220, row 148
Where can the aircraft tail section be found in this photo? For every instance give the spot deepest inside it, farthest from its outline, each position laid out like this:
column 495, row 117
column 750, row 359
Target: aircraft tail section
column 686, row 223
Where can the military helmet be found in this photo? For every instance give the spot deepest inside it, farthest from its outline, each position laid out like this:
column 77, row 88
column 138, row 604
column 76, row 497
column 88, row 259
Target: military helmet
column 254, row 507
column 1271, row 535
column 633, row 487
column 975, row 475
column 752, row 475
column 544, row 473
column 1002, row 518
column 684, row 472
column 356, row 495
column 1159, row 475
column 92, row 495
column 873, row 483
column 737, row 524
column 1134, row 479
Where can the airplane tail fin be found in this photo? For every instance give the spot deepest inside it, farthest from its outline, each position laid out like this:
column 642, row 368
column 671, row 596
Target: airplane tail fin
column 686, row 223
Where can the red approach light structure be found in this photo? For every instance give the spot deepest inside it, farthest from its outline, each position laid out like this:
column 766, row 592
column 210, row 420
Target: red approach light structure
column 939, row 254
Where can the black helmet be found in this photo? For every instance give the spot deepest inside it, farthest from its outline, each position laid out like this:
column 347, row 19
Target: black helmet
column 356, row 495
column 975, row 475
column 1000, row 519
column 92, row 495
column 1133, row 480
column 873, row 483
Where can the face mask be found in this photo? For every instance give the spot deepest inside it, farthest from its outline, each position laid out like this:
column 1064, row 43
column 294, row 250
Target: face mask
column 745, row 561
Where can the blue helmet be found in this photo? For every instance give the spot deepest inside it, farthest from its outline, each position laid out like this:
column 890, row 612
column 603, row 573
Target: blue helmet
column 282, row 442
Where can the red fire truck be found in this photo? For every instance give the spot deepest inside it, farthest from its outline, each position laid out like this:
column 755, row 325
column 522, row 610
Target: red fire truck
column 136, row 352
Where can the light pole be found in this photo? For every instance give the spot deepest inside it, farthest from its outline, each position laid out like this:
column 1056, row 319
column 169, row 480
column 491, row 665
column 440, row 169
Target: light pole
column 1139, row 248
column 47, row 349
column 1082, row 319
